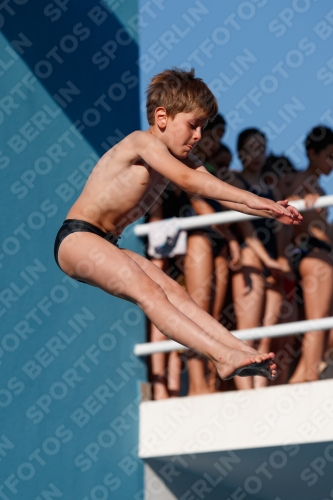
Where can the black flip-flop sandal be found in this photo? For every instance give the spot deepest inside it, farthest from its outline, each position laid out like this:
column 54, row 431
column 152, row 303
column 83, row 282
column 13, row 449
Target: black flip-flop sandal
column 261, row 369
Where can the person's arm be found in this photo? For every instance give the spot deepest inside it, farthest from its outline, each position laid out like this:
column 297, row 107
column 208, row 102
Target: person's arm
column 203, row 208
column 255, row 244
column 284, row 237
column 196, row 180
column 276, row 266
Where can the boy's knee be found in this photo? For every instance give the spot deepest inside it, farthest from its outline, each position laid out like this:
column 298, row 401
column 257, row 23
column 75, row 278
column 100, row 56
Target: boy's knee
column 175, row 288
column 149, row 293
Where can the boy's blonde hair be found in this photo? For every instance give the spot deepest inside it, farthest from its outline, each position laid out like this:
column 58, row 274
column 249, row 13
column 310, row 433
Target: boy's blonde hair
column 179, row 91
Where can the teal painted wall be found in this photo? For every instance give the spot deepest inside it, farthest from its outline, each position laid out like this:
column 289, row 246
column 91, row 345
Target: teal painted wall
column 69, row 389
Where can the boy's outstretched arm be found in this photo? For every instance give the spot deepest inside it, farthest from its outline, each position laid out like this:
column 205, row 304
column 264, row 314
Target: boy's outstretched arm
column 294, row 218
column 197, row 180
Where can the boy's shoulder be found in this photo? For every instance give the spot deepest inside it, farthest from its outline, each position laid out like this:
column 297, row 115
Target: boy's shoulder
column 143, row 138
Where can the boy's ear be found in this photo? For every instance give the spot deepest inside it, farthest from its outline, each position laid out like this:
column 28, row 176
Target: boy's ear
column 160, row 117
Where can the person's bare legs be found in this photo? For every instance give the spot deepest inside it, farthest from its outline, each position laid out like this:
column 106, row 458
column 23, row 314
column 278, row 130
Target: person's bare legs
column 221, row 277
column 174, row 370
column 283, row 346
column 165, row 367
column 159, row 360
column 88, row 257
column 273, row 304
column 221, row 273
column 198, row 273
column 316, row 271
column 248, row 288
column 329, row 340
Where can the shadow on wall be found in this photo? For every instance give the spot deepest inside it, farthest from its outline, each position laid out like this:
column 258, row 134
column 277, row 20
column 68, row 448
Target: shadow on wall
column 84, row 58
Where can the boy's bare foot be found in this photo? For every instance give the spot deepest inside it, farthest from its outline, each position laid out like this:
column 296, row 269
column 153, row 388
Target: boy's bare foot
column 246, row 365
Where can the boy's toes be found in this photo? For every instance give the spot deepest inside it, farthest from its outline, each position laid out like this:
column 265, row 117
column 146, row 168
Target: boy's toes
column 269, row 355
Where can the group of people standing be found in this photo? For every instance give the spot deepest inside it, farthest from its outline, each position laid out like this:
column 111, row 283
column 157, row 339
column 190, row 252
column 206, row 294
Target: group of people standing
column 256, row 272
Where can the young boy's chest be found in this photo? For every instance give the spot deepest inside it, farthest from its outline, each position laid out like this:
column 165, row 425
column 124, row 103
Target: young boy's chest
column 153, row 188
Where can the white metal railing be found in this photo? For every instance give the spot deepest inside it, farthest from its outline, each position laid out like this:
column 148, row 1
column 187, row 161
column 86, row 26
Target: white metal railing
column 228, row 217
column 282, row 330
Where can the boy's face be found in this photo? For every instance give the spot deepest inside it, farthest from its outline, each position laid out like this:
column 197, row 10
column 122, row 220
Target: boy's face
column 322, row 161
column 183, row 132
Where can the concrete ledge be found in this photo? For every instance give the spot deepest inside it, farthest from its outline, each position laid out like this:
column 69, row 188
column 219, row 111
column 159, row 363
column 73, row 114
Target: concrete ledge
column 237, row 420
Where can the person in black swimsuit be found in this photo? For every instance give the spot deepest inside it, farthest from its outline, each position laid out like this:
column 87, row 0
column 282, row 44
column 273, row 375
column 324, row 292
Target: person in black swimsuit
column 210, row 253
column 312, row 254
column 257, row 287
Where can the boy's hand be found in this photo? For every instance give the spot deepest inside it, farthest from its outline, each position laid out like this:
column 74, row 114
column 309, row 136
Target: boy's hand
column 275, row 208
column 280, row 210
column 291, row 217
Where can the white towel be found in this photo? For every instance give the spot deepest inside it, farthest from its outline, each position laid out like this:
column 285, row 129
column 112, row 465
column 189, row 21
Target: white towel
column 166, row 239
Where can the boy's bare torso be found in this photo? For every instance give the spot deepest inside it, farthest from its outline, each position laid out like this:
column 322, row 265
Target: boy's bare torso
column 120, row 189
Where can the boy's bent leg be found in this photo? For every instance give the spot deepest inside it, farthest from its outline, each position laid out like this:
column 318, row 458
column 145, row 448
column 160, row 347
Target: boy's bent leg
column 184, row 303
column 90, row 258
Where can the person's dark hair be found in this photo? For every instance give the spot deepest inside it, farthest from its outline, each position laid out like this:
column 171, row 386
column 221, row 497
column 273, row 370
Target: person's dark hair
column 223, row 149
column 218, row 120
column 280, row 165
column 246, row 134
column 179, row 91
column 319, row 138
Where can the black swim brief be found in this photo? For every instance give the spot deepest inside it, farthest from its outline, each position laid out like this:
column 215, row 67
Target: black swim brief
column 73, row 226
column 303, row 250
